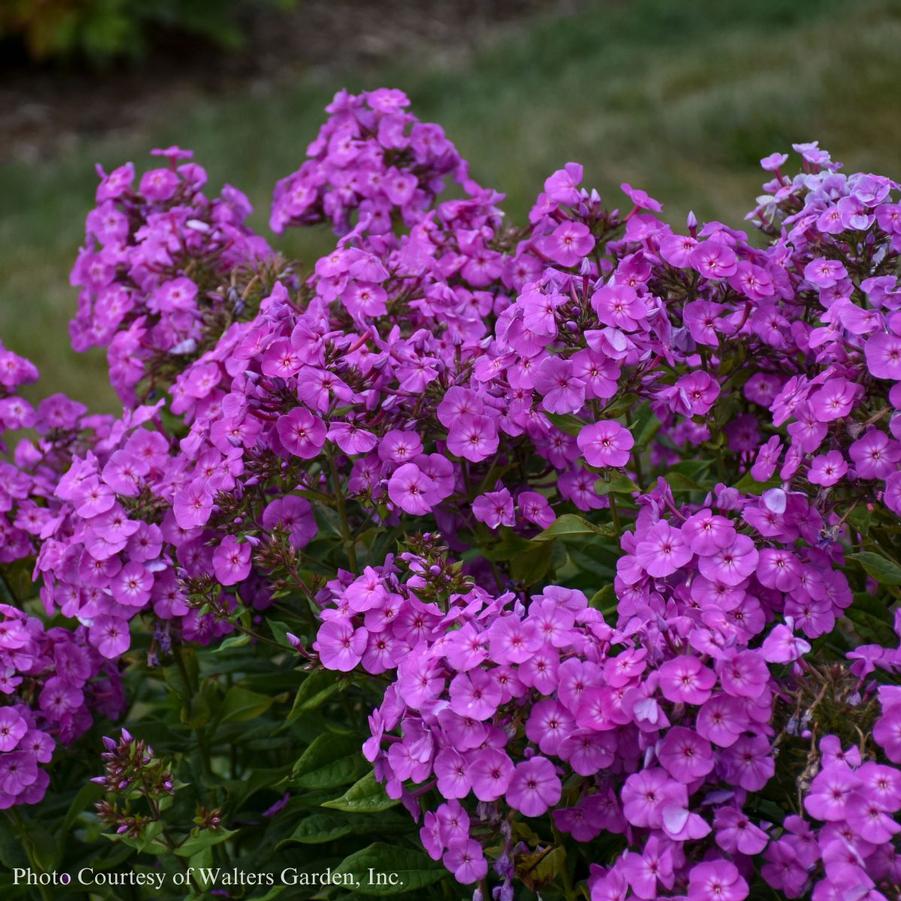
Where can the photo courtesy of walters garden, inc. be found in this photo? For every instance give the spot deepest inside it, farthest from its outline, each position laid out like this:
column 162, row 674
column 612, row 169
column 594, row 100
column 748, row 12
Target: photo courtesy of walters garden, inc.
column 479, row 558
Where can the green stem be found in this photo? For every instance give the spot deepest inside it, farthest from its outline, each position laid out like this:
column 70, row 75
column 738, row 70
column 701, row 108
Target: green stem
column 349, row 546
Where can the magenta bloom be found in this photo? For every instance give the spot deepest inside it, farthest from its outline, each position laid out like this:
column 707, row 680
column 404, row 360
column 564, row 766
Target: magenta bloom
column 662, row 550
column 132, row 585
column 231, row 561
column 708, row 533
column 824, row 273
column 295, row 514
column 535, row 508
column 452, row 772
column 12, row 728
column 495, row 508
column 883, row 353
column 783, row 646
column 778, row 568
column 193, row 505
column 110, row 636
column 512, row 640
column 490, row 771
column 606, row 443
column 827, row 469
column 686, row 680
column 722, row 720
column 714, row 259
column 473, row 437
column 731, row 565
column 736, row 833
column 339, row 645
column 466, row 861
column 685, row 755
column 412, row 490
column 399, row 447
column 568, row 244
column 829, row 793
column 833, row 400
column 744, row 675
column 716, row 880
column 475, row 694
column 534, row 787
column 875, row 455
column 301, row 433
column 647, row 793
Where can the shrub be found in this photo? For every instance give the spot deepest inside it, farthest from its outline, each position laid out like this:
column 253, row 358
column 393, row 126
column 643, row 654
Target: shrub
column 578, row 540
column 101, row 31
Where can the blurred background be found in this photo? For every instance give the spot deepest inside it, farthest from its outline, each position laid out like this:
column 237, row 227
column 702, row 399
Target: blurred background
column 680, row 97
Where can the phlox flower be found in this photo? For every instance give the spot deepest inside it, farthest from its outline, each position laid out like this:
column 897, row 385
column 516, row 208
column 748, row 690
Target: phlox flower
column 716, row 880
column 513, row 640
column 412, row 490
column 834, row 400
column 827, row 469
column 685, row 679
column 646, row 793
column 12, row 728
column 883, row 355
column 662, row 550
column 490, row 771
column 340, row 646
column 534, row 787
column 466, row 861
column 736, row 833
column 474, row 694
column 295, row 514
column 714, row 259
column 567, row 244
column 730, row 565
column 605, row 443
column 875, row 455
column 301, row 433
column 231, row 561
column 110, row 636
column 685, row 755
column 473, row 437
column 535, row 508
column 494, row 508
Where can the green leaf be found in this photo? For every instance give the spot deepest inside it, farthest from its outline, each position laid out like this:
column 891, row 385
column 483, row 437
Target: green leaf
column 615, row 484
column 235, row 641
column 314, row 691
column 383, row 869
column 747, row 484
column 883, row 570
column 203, row 839
column 364, row 796
column 241, row 704
column 319, row 828
column 645, row 427
column 679, row 482
column 569, row 526
column 604, row 600
column 330, row 761
column 567, row 423
column 87, row 795
column 531, row 566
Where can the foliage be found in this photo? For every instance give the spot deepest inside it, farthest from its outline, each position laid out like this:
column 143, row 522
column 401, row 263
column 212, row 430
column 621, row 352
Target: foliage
column 101, row 31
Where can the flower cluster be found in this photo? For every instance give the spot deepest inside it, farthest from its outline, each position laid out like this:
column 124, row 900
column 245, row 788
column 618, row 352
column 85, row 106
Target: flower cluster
column 372, row 159
column 701, row 427
column 157, row 264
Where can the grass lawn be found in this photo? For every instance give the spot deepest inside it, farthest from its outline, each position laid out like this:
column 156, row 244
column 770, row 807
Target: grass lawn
column 681, row 97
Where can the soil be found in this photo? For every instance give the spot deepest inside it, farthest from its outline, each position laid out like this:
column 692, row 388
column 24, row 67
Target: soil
column 45, row 110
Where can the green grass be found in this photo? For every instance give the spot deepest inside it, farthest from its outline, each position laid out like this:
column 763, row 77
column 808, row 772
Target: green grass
column 681, row 97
